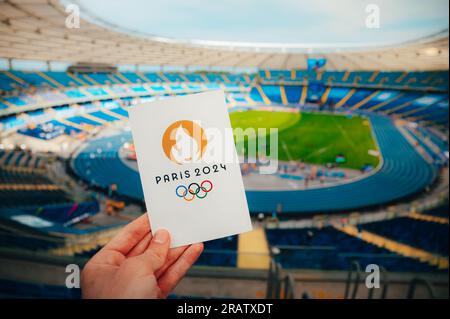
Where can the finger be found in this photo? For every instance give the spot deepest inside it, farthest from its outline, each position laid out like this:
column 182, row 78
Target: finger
column 176, row 272
column 141, row 247
column 130, row 235
column 157, row 251
column 172, row 257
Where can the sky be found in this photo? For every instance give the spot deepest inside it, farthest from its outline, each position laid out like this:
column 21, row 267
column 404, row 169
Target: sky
column 274, row 21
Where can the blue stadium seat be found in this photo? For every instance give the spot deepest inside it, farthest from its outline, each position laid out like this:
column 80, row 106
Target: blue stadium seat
column 331, row 249
column 430, row 236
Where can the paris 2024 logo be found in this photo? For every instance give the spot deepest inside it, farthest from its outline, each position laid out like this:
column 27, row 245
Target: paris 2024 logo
column 185, row 142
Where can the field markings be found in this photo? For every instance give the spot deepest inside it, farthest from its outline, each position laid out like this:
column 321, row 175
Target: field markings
column 347, row 138
column 287, row 150
column 318, row 152
column 293, row 142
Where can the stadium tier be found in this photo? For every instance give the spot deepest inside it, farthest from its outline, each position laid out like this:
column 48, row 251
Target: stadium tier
column 433, row 81
column 422, row 107
column 421, row 234
column 220, row 252
column 395, row 179
column 392, row 96
column 442, row 211
column 23, row 182
column 331, row 249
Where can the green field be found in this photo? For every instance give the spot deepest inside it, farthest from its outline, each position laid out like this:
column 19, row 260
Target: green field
column 315, row 138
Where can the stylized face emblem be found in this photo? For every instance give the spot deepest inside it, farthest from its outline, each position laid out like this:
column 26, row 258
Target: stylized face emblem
column 184, row 142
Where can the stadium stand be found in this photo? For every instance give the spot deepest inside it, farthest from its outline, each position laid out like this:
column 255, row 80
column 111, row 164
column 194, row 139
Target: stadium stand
column 331, row 249
column 12, row 290
column 422, row 107
column 437, row 80
column 22, row 189
column 220, row 252
column 412, row 104
column 65, row 205
column 19, row 158
column 441, row 211
column 421, row 234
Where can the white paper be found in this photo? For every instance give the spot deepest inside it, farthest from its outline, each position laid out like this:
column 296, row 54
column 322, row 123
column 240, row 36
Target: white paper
column 219, row 209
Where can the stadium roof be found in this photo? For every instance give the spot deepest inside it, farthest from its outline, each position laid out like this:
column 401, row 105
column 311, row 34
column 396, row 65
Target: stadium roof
column 36, row 30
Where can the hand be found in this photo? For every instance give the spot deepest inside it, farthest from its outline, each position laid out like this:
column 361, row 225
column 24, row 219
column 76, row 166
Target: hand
column 135, row 264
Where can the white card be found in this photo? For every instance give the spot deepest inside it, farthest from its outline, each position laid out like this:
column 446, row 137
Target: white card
column 189, row 169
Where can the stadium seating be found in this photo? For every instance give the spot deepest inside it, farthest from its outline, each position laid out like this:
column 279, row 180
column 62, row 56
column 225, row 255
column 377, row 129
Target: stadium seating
column 59, row 213
column 411, row 105
column 62, row 78
column 13, row 177
column 44, row 131
column 11, row 240
column 435, row 153
column 33, row 197
column 421, row 80
column 19, row 158
column 21, row 185
column 14, row 289
column 293, row 93
column 32, row 89
column 425, row 235
column 382, row 92
column 44, row 225
column 34, row 79
column 219, row 252
column 441, row 211
column 438, row 139
column 75, row 93
column 331, row 249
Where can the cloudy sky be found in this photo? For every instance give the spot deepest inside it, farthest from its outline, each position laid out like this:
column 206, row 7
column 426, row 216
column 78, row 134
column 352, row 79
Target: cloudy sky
column 280, row 21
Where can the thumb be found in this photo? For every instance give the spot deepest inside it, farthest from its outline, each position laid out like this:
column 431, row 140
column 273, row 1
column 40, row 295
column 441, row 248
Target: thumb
column 156, row 253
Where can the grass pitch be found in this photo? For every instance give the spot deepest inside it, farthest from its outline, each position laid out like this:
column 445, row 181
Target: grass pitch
column 315, row 138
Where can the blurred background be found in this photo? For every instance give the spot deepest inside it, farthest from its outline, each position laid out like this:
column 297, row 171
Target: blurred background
column 357, row 89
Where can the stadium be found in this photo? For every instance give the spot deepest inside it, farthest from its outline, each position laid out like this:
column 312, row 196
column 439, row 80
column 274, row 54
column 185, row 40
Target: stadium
column 362, row 174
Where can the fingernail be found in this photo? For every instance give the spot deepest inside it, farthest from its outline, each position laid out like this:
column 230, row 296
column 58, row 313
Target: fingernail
column 161, row 236
column 198, row 247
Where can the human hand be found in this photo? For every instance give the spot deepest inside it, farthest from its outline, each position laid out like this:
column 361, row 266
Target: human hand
column 135, row 264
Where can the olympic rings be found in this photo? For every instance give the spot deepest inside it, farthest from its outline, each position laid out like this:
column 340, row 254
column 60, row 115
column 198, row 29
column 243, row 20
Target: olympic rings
column 210, row 185
column 194, row 190
column 181, row 186
column 197, row 189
